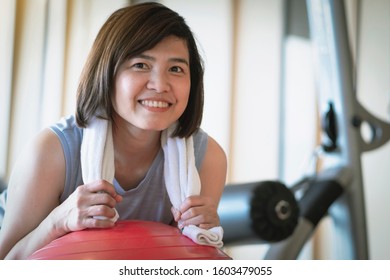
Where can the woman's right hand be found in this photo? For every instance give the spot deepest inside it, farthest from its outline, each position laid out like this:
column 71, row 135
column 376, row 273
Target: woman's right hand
column 77, row 212
column 35, row 186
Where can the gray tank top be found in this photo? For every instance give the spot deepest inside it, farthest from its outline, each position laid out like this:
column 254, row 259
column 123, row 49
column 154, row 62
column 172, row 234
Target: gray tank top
column 149, row 200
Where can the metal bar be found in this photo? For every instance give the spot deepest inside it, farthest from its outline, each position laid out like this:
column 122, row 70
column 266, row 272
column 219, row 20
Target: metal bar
column 335, row 83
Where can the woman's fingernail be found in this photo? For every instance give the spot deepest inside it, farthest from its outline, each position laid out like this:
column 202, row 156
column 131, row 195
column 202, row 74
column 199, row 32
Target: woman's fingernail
column 180, row 224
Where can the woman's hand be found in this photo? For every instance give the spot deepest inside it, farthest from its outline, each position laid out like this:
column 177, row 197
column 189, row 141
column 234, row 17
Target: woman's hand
column 201, row 210
column 94, row 199
column 197, row 210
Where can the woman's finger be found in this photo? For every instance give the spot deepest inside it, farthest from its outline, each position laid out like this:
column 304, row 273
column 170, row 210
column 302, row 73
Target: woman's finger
column 102, row 186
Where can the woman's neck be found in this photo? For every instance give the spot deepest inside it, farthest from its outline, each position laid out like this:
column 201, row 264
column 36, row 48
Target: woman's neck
column 135, row 150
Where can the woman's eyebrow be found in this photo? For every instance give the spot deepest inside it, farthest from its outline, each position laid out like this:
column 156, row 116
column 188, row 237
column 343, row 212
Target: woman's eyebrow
column 173, row 59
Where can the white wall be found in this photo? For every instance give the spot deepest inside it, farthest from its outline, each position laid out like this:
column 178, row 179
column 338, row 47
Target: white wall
column 27, row 77
column 255, row 134
column 373, row 89
column 7, row 26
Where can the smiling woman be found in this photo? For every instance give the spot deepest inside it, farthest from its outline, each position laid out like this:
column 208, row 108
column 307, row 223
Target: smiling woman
column 252, row 86
column 165, row 74
column 143, row 79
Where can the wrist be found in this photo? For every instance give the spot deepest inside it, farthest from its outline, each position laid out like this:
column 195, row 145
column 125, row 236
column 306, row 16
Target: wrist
column 56, row 226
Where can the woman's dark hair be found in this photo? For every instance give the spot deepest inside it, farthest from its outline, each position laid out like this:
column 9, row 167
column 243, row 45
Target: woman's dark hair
column 126, row 33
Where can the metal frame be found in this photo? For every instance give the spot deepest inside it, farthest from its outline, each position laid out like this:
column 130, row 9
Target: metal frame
column 342, row 158
column 335, row 69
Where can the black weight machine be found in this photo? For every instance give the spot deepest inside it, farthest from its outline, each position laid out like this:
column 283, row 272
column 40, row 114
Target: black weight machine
column 285, row 217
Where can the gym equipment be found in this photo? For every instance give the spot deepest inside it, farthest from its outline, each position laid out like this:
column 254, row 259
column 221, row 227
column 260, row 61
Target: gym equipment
column 338, row 190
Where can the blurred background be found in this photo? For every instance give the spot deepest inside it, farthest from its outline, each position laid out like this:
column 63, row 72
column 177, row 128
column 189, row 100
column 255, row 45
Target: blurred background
column 260, row 92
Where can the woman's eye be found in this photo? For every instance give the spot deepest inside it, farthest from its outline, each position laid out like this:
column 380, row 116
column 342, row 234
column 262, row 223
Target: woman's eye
column 177, row 69
column 140, row 65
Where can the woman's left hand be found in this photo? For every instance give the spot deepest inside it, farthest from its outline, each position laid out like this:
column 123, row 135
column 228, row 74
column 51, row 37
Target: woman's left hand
column 197, row 210
column 201, row 210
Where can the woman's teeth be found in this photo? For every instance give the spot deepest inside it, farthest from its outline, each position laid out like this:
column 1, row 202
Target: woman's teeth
column 154, row 104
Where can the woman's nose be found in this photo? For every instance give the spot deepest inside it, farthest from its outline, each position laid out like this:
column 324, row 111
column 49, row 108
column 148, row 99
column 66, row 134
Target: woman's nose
column 158, row 82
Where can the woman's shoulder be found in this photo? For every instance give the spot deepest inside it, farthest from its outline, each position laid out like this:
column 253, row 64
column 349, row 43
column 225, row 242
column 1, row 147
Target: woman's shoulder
column 201, row 139
column 67, row 125
column 200, row 145
column 68, row 132
column 70, row 136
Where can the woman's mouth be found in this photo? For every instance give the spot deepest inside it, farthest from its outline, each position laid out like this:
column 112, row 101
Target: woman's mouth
column 154, row 103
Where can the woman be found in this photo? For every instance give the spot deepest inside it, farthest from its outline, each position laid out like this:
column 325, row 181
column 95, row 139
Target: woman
column 143, row 74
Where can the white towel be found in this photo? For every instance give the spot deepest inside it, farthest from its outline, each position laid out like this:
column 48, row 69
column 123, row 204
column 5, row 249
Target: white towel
column 97, row 155
column 182, row 180
column 181, row 176
column 211, row 237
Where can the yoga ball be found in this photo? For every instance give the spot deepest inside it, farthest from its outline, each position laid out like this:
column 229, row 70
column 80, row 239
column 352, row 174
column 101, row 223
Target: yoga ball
column 127, row 240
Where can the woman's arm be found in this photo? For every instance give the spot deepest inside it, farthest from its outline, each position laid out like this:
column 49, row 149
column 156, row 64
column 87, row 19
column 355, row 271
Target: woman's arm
column 33, row 192
column 202, row 210
column 34, row 216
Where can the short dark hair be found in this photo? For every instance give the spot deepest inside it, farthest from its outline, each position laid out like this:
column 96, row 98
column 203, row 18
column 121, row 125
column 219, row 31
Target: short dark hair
column 126, row 33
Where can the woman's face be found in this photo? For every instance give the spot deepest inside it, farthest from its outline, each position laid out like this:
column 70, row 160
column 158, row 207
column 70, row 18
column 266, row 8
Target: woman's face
column 152, row 89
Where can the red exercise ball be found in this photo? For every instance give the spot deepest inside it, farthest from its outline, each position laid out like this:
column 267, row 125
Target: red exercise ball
column 128, row 240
